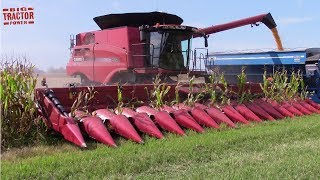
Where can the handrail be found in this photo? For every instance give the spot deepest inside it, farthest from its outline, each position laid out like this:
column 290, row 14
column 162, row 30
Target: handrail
column 144, row 55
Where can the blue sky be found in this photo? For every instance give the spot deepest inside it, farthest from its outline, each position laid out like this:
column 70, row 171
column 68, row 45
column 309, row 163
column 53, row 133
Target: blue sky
column 46, row 42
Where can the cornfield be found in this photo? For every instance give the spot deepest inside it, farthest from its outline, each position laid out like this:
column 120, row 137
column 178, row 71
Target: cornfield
column 19, row 120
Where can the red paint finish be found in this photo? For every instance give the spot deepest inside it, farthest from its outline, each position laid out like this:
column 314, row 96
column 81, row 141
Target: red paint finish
column 202, row 106
column 199, row 115
column 203, row 118
column 217, row 115
column 315, row 105
column 247, row 113
column 259, row 111
column 265, row 18
column 120, row 124
column 103, row 56
column 300, row 108
column 166, row 122
column 72, row 133
column 146, row 118
column 107, row 53
column 94, row 127
column 183, row 118
column 163, row 119
column 186, row 120
column 143, row 122
column 146, row 109
column 82, row 61
column 57, row 121
column 167, row 109
column 234, row 114
column 281, row 109
column 269, row 109
column 182, row 106
column 309, row 107
column 290, row 108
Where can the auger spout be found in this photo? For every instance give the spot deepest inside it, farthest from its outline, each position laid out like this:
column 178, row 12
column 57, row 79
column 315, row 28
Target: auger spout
column 266, row 19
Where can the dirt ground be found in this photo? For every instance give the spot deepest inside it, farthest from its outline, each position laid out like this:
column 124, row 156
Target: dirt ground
column 56, row 79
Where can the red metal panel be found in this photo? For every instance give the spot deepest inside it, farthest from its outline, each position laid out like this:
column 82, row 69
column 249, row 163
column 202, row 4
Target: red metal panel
column 60, row 123
column 81, row 61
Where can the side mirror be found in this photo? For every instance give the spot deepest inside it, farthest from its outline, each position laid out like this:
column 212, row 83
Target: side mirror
column 206, row 41
column 143, row 36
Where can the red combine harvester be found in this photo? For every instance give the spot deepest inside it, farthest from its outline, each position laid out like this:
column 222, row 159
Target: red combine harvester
column 133, row 48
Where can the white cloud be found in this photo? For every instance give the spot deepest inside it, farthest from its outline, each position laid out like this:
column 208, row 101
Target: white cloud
column 294, row 20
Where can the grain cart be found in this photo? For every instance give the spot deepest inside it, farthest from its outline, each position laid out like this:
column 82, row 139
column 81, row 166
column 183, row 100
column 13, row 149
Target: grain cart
column 257, row 62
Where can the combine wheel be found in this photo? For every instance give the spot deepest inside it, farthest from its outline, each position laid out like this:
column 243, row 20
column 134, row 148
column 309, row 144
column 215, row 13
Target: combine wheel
column 124, row 77
column 84, row 81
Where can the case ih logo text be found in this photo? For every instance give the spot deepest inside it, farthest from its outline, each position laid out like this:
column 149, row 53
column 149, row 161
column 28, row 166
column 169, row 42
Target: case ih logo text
column 18, row 16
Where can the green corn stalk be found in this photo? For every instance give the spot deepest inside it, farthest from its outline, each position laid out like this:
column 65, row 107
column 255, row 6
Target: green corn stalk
column 191, row 98
column 20, row 123
column 120, row 103
column 210, row 88
column 176, row 94
column 159, row 92
column 304, row 93
column 293, row 85
column 131, row 102
column 83, row 101
column 242, row 79
column 276, row 86
column 265, row 86
column 284, row 88
column 147, row 91
column 301, row 86
column 283, row 85
column 224, row 96
column 279, row 86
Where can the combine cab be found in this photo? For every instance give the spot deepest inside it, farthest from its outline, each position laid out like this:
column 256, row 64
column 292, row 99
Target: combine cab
column 130, row 48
